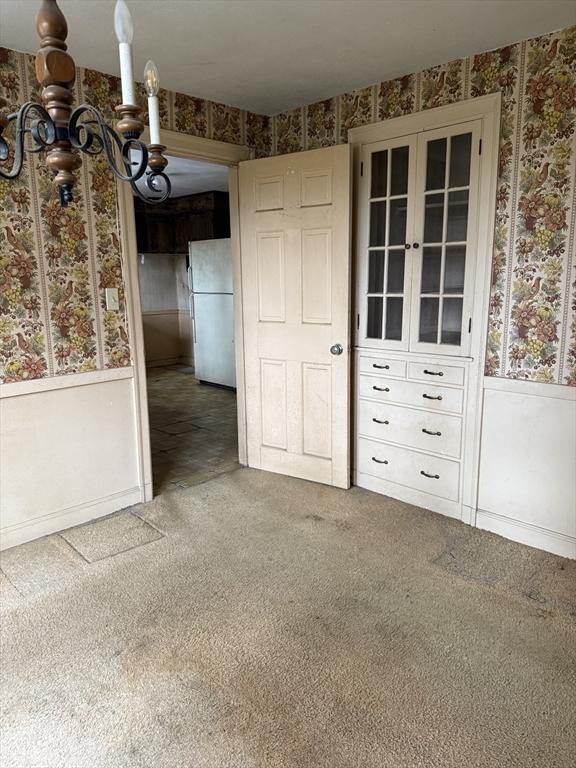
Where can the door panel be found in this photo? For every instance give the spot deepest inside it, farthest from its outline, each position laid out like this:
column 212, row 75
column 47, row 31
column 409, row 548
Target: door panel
column 386, row 201
column 445, row 227
column 295, row 241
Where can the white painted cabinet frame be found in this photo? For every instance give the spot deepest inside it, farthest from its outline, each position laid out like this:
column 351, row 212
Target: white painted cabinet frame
column 485, row 109
column 193, row 148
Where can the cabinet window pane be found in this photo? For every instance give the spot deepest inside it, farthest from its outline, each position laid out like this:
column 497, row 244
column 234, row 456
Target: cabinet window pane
column 434, row 218
column 431, row 267
column 395, row 272
column 436, row 164
column 429, row 320
column 378, row 223
column 451, row 321
column 394, row 318
column 397, row 234
column 379, row 173
column 376, row 272
column 399, row 172
column 457, row 215
column 454, row 269
column 460, row 149
column 374, row 330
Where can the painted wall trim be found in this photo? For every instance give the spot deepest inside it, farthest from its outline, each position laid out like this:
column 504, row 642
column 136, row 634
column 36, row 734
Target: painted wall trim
column 426, row 120
column 193, row 148
column 12, row 535
column 181, row 144
column 170, row 361
column 527, row 533
column 127, row 222
column 19, row 388
column 532, row 388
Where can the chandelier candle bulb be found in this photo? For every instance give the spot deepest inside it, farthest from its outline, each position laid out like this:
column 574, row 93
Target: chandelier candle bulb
column 125, row 32
column 152, row 85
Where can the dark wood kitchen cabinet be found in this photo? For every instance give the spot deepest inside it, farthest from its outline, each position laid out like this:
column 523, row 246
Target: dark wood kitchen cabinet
column 169, row 227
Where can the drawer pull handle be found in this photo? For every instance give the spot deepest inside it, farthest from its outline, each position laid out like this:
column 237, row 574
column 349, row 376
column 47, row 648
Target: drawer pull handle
column 381, row 389
column 379, row 461
column 436, row 434
column 382, row 367
column 434, row 477
column 379, row 421
column 433, row 373
column 432, row 397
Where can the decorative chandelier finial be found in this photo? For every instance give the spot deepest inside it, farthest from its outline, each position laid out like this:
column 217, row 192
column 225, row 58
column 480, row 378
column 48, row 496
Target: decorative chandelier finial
column 60, row 131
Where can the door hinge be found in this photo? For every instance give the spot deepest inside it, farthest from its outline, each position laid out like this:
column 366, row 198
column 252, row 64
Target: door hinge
column 362, row 169
column 480, row 147
column 469, row 324
column 358, row 321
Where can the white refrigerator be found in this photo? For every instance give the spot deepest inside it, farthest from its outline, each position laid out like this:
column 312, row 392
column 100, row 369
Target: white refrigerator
column 212, row 311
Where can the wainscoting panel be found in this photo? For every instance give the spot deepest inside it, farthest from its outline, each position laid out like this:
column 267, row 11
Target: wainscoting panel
column 527, row 464
column 68, row 455
column 167, row 337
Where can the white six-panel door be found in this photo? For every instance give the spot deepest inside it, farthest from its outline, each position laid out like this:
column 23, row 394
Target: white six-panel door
column 295, row 252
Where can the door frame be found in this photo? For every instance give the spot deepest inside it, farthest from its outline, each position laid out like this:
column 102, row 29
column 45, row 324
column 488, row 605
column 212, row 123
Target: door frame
column 192, row 148
column 486, row 108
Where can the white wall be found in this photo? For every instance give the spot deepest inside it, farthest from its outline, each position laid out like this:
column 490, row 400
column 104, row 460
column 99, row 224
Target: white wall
column 165, row 312
column 69, row 452
column 527, row 486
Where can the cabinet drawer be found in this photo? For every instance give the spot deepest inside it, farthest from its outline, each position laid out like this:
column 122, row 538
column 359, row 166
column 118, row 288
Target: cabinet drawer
column 424, row 395
column 416, row 429
column 406, row 467
column 436, row 373
column 383, row 365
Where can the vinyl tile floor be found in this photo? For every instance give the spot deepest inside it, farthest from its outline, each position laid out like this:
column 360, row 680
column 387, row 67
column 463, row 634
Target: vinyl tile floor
column 193, row 429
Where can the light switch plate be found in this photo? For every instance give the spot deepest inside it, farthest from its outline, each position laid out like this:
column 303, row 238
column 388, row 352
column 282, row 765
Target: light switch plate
column 112, row 299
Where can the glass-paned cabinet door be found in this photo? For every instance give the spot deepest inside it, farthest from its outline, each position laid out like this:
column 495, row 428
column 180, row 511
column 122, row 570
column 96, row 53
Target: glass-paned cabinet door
column 445, row 230
column 387, row 190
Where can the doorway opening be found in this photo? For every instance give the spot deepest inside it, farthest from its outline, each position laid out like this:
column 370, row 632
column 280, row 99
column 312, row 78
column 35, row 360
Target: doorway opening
column 186, row 294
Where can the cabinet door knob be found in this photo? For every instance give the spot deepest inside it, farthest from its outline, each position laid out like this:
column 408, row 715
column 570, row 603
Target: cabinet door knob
column 407, row 246
column 416, row 245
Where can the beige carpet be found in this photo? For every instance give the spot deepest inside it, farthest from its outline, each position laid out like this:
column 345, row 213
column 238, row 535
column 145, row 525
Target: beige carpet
column 281, row 624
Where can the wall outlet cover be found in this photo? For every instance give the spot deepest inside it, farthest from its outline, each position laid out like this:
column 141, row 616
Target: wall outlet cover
column 112, row 302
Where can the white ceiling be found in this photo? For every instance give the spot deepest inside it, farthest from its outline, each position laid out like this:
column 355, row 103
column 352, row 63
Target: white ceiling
column 271, row 55
column 189, row 177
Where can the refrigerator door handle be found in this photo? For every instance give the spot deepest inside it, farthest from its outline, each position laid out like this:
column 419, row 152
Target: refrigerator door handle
column 189, row 276
column 192, row 316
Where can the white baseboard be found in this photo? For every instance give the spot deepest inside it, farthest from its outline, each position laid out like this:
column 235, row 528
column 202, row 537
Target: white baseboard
column 525, row 533
column 20, row 533
column 169, row 361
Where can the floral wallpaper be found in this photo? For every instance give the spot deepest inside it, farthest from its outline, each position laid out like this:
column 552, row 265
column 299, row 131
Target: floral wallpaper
column 532, row 325
column 55, row 263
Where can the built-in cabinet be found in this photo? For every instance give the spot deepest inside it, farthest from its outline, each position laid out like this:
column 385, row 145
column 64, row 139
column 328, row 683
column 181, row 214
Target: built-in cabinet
column 418, row 254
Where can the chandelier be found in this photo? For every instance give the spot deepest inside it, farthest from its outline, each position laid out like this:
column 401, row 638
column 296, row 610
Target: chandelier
column 62, row 132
